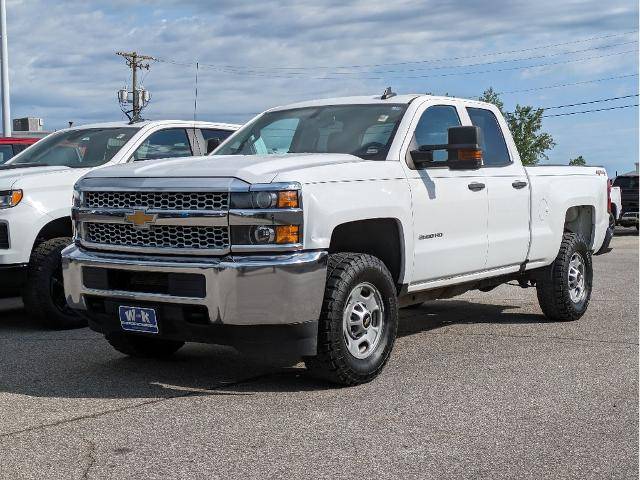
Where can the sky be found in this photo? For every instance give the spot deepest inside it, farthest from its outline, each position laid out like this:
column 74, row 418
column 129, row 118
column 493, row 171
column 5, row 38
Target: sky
column 259, row 54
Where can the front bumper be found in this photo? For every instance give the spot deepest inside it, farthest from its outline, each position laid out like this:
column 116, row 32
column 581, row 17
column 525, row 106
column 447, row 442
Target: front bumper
column 284, row 290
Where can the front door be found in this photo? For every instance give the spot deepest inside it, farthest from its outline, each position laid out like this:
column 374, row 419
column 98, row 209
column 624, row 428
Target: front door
column 450, row 208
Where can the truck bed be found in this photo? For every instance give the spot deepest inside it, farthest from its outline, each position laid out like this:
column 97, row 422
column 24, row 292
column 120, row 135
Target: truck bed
column 563, row 170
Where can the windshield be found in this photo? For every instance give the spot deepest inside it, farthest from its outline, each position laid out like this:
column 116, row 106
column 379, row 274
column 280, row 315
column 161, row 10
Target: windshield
column 76, row 148
column 362, row 130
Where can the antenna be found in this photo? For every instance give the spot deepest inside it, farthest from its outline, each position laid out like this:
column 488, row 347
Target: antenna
column 195, row 98
column 388, row 93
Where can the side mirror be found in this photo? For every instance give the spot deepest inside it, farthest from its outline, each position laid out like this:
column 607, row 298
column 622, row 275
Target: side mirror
column 212, row 144
column 463, row 149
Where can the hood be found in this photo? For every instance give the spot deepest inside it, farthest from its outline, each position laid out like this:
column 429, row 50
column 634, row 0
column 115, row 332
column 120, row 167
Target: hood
column 249, row 168
column 9, row 176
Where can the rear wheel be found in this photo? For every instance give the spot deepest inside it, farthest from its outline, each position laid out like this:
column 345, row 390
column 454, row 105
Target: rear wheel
column 359, row 320
column 43, row 294
column 143, row 347
column 564, row 288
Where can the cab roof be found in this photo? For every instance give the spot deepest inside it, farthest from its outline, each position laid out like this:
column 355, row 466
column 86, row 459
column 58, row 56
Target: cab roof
column 360, row 100
column 144, row 123
column 370, row 99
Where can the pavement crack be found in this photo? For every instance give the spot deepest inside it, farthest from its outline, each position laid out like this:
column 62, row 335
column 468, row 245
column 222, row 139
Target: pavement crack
column 90, row 457
column 213, row 391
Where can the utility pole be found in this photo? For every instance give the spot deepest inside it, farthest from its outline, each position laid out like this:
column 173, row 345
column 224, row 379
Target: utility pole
column 6, row 109
column 139, row 96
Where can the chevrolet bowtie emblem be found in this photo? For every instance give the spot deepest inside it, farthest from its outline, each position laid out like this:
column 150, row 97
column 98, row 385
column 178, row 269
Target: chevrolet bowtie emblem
column 139, row 219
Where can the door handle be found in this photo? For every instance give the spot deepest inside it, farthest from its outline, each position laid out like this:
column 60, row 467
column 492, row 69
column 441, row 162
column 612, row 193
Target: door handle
column 475, row 186
column 518, row 184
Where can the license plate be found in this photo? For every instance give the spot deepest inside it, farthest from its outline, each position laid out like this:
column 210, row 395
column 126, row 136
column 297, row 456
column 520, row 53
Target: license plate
column 136, row 319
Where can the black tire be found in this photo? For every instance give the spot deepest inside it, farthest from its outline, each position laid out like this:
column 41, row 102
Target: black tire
column 43, row 294
column 334, row 362
column 143, row 347
column 414, row 306
column 554, row 292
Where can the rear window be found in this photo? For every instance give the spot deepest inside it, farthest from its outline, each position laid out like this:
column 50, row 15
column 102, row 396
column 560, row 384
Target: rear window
column 493, row 146
column 626, row 182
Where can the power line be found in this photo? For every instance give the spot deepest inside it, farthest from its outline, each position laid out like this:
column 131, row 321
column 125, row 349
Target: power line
column 442, row 59
column 262, row 71
column 590, row 111
column 572, row 84
column 448, row 74
column 590, row 102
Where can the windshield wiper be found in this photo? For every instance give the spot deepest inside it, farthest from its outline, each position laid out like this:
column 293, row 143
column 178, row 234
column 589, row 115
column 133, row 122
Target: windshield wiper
column 23, row 165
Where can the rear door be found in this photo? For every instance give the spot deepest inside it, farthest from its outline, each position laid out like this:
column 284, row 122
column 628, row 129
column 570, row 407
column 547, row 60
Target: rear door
column 449, row 207
column 507, row 189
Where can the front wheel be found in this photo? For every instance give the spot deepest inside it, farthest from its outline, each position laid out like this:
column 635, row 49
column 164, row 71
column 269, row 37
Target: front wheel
column 359, row 320
column 564, row 288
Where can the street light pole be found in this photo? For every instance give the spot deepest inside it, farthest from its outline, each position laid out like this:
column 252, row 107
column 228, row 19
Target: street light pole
column 6, row 109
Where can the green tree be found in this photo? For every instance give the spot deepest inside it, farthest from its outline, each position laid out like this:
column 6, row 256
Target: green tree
column 491, row 96
column 579, row 161
column 525, row 123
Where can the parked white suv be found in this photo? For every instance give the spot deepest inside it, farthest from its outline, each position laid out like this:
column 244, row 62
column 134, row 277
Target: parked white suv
column 317, row 221
column 35, row 198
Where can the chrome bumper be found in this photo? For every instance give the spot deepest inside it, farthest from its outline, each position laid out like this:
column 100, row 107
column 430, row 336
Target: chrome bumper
column 240, row 290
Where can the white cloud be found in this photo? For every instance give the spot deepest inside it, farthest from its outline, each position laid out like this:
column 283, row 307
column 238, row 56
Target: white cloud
column 63, row 65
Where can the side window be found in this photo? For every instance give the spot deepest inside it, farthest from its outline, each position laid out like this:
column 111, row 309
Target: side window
column 433, row 128
column 18, row 148
column 209, row 133
column 172, row 142
column 494, row 148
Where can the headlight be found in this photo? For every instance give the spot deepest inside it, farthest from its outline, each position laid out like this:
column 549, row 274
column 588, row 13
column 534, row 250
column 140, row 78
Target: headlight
column 265, row 234
column 10, row 198
column 265, row 199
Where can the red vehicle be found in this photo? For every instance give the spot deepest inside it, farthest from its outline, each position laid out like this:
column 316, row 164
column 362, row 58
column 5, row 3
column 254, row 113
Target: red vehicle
column 10, row 146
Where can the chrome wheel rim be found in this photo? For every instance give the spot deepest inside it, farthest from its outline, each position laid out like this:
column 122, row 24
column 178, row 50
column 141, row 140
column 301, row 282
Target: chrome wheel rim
column 576, row 278
column 363, row 320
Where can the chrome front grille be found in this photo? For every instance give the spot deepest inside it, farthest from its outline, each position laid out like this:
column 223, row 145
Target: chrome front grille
column 158, row 200
column 191, row 222
column 158, row 236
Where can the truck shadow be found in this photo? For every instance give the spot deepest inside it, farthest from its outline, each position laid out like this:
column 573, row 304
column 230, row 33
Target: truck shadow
column 80, row 363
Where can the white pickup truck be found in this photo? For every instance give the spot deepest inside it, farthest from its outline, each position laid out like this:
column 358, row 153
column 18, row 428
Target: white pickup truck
column 36, row 187
column 316, row 222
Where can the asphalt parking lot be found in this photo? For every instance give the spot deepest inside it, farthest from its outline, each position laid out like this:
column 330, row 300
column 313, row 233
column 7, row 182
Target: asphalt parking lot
column 480, row 386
